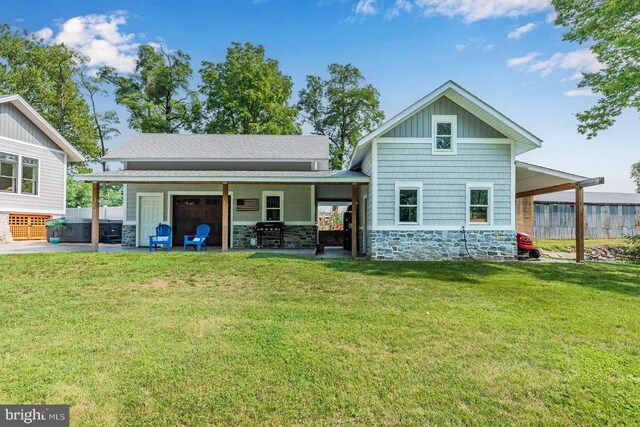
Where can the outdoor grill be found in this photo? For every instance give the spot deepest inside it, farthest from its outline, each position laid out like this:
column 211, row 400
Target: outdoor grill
column 270, row 229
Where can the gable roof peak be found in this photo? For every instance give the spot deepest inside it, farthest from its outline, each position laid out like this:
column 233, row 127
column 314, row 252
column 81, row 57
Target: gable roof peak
column 524, row 139
column 23, row 106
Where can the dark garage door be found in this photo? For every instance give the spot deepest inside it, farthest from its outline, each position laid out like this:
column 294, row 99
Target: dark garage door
column 191, row 211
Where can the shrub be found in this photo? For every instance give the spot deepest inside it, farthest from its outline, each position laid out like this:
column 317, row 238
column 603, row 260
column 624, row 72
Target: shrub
column 633, row 251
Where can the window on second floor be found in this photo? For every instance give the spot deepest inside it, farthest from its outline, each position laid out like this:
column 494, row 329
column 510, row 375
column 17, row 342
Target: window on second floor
column 8, row 173
column 444, row 134
column 29, row 183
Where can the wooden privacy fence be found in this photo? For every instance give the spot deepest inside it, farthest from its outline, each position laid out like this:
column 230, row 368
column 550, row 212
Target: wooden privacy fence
column 558, row 221
column 28, row 227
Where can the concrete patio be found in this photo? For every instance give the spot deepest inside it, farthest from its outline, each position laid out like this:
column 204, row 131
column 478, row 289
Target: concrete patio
column 32, row 247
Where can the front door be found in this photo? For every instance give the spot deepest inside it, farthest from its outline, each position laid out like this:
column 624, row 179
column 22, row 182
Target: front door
column 150, row 217
column 191, row 211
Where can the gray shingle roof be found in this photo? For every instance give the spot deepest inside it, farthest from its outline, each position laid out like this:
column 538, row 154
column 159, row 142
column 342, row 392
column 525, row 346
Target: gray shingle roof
column 340, row 176
column 594, row 198
column 162, row 146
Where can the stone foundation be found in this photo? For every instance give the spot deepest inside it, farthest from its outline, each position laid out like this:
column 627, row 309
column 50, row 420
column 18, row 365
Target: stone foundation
column 295, row 237
column 416, row 245
column 5, row 232
column 128, row 236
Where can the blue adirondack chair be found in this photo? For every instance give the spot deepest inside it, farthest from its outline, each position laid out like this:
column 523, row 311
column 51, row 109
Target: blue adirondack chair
column 162, row 237
column 199, row 239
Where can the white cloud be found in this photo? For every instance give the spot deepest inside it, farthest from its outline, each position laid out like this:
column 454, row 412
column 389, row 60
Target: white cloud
column 579, row 92
column 44, row 34
column 366, row 7
column 522, row 60
column 398, row 7
column 520, row 31
column 469, row 10
column 551, row 17
column 475, row 42
column 578, row 61
column 476, row 10
column 99, row 38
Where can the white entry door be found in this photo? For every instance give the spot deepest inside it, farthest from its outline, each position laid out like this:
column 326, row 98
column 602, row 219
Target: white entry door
column 149, row 216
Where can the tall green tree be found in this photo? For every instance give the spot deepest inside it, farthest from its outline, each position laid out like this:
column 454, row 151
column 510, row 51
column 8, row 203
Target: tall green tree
column 104, row 122
column 612, row 28
column 342, row 107
column 157, row 94
column 635, row 175
column 47, row 77
column 247, row 94
column 79, row 194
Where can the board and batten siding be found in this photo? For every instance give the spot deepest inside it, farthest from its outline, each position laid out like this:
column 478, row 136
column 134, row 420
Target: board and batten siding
column 15, row 125
column 444, row 180
column 419, row 124
column 52, row 173
column 297, row 199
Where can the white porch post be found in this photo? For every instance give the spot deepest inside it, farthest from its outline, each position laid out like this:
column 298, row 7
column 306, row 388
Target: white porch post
column 354, row 220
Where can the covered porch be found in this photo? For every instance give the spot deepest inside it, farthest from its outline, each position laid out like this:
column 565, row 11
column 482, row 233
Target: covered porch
column 248, row 209
column 532, row 180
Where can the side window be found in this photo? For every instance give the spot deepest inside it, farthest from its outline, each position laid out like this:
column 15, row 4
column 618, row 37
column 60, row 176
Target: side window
column 479, row 203
column 445, row 129
column 29, row 183
column 408, row 203
column 8, row 173
column 273, row 206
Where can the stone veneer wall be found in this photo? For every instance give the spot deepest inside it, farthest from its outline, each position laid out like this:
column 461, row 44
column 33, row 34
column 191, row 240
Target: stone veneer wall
column 128, row 236
column 5, row 231
column 295, row 236
column 415, row 245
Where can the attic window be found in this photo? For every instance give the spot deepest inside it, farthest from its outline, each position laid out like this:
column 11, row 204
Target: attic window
column 444, row 135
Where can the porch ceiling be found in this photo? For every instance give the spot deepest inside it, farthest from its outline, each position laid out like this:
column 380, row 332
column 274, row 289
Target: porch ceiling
column 219, row 176
column 532, row 177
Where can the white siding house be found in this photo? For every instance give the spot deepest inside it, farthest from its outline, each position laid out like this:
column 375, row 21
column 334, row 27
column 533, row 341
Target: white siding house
column 33, row 169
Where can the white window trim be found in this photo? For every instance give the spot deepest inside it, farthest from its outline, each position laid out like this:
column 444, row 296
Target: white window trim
column 479, row 186
column 18, row 191
column 37, row 181
column 266, row 194
column 435, row 119
column 408, row 186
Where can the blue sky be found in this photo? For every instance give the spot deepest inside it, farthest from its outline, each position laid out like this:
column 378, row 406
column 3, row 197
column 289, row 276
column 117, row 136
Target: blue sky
column 505, row 51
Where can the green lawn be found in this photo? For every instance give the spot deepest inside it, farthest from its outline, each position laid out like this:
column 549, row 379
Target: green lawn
column 212, row 339
column 569, row 245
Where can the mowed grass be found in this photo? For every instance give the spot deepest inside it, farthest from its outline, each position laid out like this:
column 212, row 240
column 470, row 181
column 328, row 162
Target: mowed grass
column 569, row 245
column 227, row 339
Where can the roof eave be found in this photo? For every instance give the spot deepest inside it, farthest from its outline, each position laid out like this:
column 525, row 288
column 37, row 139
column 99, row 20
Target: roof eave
column 17, row 101
column 227, row 179
column 523, row 137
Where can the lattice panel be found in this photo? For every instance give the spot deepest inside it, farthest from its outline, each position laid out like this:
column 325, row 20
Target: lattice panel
column 28, row 227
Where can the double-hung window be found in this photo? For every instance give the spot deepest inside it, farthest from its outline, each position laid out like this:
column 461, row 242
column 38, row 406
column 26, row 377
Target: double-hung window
column 408, row 203
column 445, row 129
column 29, row 183
column 8, row 173
column 273, row 206
column 479, row 203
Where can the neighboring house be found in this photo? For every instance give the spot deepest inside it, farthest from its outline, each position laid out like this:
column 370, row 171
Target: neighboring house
column 441, row 170
column 33, row 170
column 607, row 215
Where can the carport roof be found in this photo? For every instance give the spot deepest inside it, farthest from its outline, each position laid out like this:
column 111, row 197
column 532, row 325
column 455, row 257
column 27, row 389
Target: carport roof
column 532, row 178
